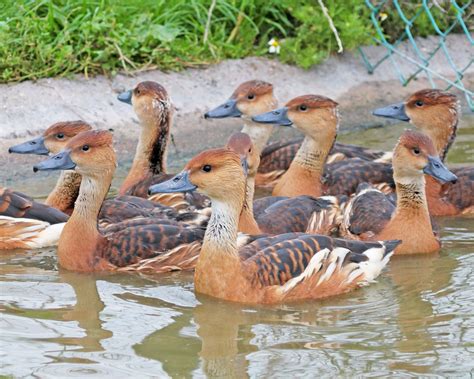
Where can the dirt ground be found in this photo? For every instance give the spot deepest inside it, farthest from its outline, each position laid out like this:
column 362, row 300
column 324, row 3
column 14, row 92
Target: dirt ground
column 28, row 108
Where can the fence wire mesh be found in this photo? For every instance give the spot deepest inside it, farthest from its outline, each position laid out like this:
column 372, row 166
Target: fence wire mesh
column 425, row 11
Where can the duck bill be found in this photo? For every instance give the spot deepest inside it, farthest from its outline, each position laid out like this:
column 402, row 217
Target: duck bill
column 395, row 111
column 228, row 109
column 439, row 171
column 34, row 146
column 125, row 97
column 276, row 117
column 180, row 183
column 60, row 161
column 245, row 165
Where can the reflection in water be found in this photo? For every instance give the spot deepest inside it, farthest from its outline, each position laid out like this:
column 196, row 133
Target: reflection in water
column 86, row 312
column 218, row 328
column 417, row 320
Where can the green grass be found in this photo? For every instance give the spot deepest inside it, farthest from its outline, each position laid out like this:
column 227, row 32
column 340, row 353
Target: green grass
column 61, row 37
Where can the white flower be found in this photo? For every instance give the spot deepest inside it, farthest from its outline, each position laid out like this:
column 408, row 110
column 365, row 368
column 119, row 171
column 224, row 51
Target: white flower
column 274, row 46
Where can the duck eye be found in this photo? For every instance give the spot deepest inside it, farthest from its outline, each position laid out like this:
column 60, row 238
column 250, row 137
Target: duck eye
column 250, row 150
column 251, row 96
column 85, row 148
column 419, row 103
column 137, row 91
column 416, row 151
column 60, row 136
column 303, row 108
column 206, row 168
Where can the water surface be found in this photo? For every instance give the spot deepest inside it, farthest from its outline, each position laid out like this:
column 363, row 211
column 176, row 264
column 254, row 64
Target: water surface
column 418, row 319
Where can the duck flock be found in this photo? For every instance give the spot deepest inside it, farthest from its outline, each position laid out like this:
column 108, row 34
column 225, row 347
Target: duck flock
column 337, row 213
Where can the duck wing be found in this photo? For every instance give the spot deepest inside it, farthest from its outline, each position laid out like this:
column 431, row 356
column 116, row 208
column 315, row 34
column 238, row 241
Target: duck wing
column 129, row 207
column 354, row 151
column 288, row 258
column 368, row 212
column 130, row 245
column 343, row 177
column 461, row 193
column 294, row 214
column 278, row 155
column 17, row 204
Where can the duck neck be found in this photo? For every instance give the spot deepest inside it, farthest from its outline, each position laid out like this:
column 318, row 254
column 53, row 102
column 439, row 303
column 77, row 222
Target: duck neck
column 80, row 237
column 150, row 155
column 258, row 133
column 218, row 265
column 247, row 223
column 304, row 174
column 411, row 200
column 312, row 154
column 222, row 229
column 443, row 137
column 65, row 192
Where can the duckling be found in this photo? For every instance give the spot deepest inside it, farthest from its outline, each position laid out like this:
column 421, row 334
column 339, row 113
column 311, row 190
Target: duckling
column 81, row 246
column 53, row 140
column 254, row 97
column 436, row 113
column 371, row 215
column 154, row 109
column 282, row 268
column 278, row 215
column 317, row 117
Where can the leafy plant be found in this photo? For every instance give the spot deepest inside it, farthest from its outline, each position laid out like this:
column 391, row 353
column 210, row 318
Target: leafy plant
column 44, row 38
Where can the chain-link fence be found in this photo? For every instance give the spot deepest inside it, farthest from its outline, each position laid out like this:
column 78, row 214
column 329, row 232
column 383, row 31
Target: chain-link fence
column 425, row 11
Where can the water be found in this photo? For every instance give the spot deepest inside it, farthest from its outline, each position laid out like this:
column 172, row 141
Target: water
column 418, row 319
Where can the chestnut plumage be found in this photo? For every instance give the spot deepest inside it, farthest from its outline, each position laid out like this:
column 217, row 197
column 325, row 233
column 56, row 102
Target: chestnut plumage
column 17, row 204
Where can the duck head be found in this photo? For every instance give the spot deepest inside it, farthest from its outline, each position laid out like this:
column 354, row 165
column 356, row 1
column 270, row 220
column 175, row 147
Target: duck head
column 311, row 114
column 416, row 155
column 216, row 173
column 53, row 139
column 250, row 98
column 150, row 101
column 426, row 109
column 90, row 153
column 241, row 144
column 432, row 111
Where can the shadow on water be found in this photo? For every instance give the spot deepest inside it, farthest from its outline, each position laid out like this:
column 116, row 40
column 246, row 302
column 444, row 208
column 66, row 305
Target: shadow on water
column 416, row 320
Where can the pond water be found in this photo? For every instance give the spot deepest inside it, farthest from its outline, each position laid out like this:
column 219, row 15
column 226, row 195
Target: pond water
column 418, row 319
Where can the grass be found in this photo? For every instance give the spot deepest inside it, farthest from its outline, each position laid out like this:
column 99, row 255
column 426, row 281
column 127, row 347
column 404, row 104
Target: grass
column 61, row 37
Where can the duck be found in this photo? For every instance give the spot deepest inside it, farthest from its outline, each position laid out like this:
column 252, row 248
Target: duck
column 154, row 109
column 278, row 215
column 254, row 97
column 436, row 113
column 52, row 141
column 372, row 215
column 317, row 118
column 276, row 269
column 82, row 247
column 115, row 210
column 28, row 224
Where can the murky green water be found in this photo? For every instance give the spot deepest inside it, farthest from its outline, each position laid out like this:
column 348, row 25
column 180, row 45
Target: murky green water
column 418, row 319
